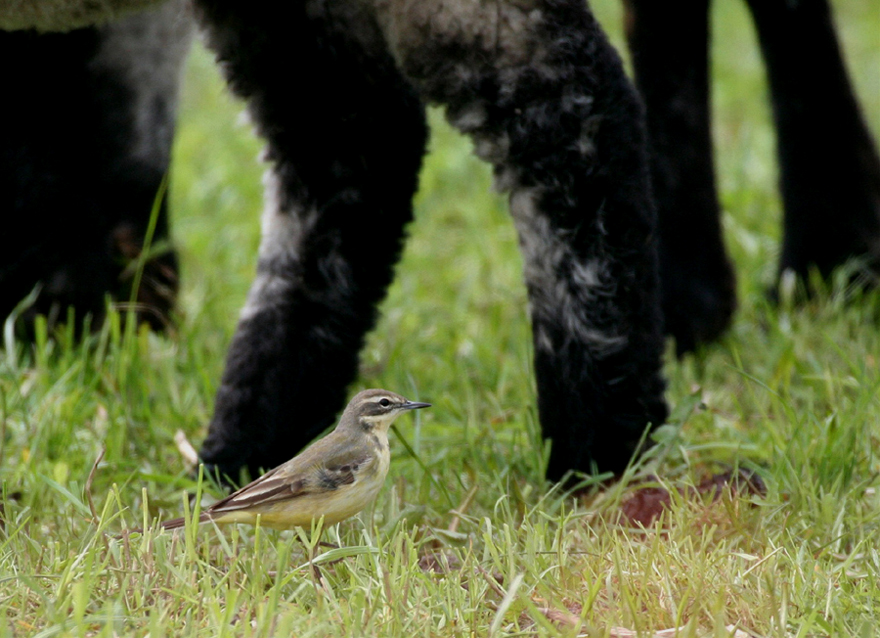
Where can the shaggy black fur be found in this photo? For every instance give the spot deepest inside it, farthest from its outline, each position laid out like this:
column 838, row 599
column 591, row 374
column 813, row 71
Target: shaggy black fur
column 345, row 138
column 830, row 172
column 669, row 44
column 336, row 87
column 75, row 180
column 548, row 104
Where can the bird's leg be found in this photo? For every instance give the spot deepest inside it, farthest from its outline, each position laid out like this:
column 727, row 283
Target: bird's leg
column 313, row 566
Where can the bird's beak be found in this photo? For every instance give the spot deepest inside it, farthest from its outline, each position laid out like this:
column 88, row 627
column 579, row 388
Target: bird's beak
column 413, row 405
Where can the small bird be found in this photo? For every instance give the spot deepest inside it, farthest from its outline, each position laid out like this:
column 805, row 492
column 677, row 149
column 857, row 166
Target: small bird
column 334, row 478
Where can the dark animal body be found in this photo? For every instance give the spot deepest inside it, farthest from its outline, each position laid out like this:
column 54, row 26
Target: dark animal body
column 545, row 98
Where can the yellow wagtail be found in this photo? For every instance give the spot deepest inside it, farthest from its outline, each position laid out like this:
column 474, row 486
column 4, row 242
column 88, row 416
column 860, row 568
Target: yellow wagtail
column 334, row 478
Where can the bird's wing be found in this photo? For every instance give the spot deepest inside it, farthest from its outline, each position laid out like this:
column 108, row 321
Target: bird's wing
column 294, row 480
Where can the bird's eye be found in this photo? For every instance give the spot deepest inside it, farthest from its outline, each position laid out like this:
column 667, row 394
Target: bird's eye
column 384, row 403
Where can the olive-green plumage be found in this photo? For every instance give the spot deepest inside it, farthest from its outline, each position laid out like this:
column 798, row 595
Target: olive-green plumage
column 334, row 478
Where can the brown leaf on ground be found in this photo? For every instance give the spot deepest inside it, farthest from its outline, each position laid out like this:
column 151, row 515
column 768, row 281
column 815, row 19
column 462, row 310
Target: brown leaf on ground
column 563, row 619
column 439, row 563
column 566, row 619
column 740, row 483
column 621, row 632
column 645, row 505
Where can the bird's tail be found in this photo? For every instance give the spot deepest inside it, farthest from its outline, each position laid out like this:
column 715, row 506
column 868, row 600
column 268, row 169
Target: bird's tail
column 173, row 523
column 177, row 523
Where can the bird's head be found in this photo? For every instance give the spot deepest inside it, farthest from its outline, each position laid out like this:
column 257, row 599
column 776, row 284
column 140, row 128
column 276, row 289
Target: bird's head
column 377, row 409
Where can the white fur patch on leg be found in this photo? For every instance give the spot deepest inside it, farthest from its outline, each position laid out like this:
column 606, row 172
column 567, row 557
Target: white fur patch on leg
column 284, row 229
column 287, row 229
column 565, row 290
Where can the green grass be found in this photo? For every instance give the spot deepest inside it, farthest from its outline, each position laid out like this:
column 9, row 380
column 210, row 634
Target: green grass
column 792, row 391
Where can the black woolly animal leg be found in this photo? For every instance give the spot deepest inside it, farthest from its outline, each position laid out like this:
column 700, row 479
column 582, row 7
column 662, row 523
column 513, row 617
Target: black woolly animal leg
column 544, row 96
column 345, row 136
column 88, row 121
column 669, row 44
column 830, row 172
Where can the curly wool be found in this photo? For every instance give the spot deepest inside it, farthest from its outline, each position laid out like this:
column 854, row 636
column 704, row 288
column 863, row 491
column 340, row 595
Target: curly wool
column 64, row 15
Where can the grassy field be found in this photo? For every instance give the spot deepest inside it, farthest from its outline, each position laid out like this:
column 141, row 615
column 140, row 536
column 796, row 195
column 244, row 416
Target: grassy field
column 466, row 539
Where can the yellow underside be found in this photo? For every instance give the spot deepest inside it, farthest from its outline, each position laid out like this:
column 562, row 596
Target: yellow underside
column 303, row 511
